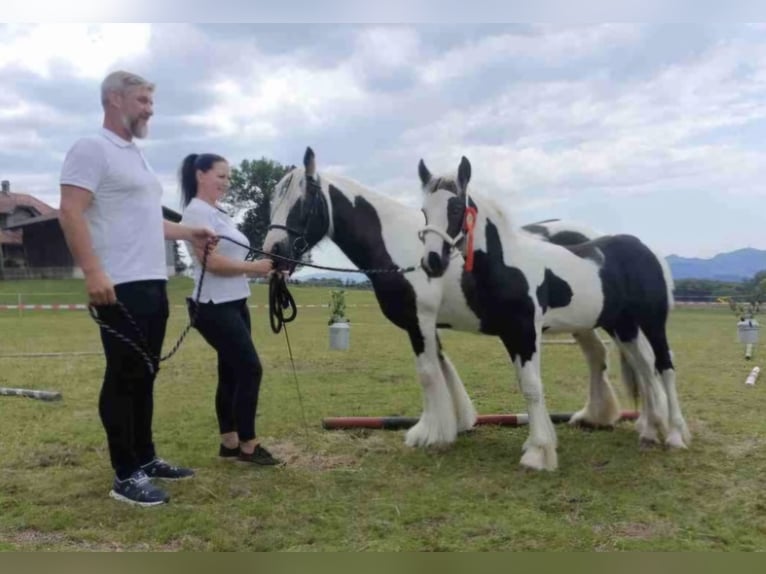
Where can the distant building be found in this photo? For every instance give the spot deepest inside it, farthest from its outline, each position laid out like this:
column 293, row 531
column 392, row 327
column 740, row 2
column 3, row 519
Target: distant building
column 32, row 244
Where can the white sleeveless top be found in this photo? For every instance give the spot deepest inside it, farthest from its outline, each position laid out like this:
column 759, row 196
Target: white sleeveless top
column 217, row 288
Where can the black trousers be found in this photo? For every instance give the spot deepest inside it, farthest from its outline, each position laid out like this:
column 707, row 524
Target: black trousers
column 126, row 403
column 226, row 328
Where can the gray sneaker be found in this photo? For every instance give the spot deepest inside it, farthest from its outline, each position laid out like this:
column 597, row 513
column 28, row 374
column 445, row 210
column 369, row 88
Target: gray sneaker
column 138, row 489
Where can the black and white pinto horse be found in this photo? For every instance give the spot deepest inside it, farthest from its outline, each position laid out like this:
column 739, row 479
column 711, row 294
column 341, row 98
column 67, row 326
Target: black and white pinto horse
column 518, row 286
column 376, row 232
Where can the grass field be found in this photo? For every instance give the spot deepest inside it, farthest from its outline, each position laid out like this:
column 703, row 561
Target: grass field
column 364, row 490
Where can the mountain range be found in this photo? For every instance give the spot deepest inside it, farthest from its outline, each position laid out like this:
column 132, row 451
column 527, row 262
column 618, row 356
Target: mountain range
column 734, row 266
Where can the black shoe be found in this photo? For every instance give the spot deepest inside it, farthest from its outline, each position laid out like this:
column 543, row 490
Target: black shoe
column 228, row 453
column 139, row 490
column 259, row 456
column 158, row 468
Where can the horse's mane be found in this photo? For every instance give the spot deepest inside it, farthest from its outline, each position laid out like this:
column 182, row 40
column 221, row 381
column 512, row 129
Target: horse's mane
column 350, row 188
column 492, row 209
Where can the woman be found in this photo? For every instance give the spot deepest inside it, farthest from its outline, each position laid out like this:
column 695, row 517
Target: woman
column 223, row 317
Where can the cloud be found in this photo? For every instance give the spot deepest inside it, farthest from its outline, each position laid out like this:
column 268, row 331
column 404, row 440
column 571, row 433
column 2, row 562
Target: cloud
column 555, row 119
column 543, row 45
column 88, row 50
column 642, row 136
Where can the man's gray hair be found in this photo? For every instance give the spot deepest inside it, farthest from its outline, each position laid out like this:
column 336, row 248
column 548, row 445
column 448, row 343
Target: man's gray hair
column 120, row 81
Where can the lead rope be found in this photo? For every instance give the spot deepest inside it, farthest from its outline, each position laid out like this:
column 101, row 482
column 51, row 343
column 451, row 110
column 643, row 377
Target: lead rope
column 280, row 299
column 151, row 360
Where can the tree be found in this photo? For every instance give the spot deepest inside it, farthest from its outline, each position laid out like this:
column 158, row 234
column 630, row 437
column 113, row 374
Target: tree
column 255, row 223
column 252, row 187
column 180, row 264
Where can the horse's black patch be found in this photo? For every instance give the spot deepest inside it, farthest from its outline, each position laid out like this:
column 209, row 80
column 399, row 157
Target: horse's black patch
column 635, row 294
column 309, row 216
column 586, row 250
column 578, row 243
column 553, row 292
column 568, row 238
column 499, row 296
column 537, row 229
column 358, row 233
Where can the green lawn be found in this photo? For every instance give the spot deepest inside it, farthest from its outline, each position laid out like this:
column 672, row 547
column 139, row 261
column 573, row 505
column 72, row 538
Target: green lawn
column 364, row 490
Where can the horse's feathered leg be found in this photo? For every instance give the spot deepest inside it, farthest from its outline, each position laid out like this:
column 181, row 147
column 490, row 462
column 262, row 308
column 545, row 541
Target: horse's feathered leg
column 602, row 408
column 540, row 446
column 678, row 433
column 654, row 415
column 464, row 409
column 438, row 423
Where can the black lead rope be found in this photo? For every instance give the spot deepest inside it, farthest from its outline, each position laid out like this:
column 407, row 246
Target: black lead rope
column 280, row 300
column 253, row 250
column 142, row 346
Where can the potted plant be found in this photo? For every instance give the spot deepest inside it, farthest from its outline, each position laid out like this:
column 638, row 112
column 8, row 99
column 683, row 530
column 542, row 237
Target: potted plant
column 747, row 326
column 339, row 323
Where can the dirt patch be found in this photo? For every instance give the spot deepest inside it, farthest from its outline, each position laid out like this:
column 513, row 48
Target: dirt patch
column 637, row 530
column 34, row 539
column 301, row 456
column 53, row 455
column 745, row 447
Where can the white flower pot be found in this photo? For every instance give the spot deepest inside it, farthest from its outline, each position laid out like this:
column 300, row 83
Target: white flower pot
column 748, row 331
column 339, row 336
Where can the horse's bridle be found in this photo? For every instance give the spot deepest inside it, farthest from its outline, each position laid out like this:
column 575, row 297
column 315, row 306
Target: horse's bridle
column 465, row 235
column 300, row 243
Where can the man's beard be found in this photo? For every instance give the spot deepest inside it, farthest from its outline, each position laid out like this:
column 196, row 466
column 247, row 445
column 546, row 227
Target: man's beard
column 138, row 127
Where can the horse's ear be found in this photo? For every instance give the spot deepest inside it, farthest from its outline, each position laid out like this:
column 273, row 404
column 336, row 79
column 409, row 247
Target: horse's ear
column 425, row 175
column 309, row 162
column 464, row 173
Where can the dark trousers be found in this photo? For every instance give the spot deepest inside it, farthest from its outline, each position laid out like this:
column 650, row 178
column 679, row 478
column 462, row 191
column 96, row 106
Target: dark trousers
column 226, row 328
column 126, row 403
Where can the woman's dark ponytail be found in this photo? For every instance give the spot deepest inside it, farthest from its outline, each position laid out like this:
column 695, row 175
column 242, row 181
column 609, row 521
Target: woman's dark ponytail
column 188, row 178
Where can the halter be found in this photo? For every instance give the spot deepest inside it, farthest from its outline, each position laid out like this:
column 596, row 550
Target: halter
column 300, row 243
column 466, row 232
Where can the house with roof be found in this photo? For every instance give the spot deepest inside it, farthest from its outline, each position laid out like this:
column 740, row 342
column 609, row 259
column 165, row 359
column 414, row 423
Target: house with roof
column 32, row 244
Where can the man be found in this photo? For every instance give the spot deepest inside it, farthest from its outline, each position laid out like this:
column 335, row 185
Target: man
column 111, row 215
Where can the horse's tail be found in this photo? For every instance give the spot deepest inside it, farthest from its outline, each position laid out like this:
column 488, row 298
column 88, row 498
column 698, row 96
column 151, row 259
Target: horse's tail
column 667, row 275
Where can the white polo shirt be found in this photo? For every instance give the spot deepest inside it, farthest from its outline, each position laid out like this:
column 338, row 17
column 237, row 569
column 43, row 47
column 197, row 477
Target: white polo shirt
column 217, row 288
column 125, row 217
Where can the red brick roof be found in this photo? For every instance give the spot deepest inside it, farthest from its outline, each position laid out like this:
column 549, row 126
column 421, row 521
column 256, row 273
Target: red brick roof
column 9, row 202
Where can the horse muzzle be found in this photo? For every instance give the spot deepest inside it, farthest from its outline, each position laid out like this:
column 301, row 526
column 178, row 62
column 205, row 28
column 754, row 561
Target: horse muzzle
column 277, row 252
column 433, row 265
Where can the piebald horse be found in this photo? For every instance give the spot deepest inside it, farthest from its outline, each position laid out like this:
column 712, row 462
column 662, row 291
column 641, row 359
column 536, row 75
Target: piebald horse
column 515, row 286
column 376, row 232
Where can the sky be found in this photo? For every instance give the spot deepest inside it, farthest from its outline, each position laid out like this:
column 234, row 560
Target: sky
column 651, row 129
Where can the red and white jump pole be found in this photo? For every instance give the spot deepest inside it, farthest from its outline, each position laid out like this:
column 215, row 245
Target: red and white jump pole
column 399, row 423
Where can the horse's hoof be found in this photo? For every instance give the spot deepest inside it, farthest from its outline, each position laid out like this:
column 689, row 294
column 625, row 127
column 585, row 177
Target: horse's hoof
column 675, row 440
column 646, row 443
column 539, row 458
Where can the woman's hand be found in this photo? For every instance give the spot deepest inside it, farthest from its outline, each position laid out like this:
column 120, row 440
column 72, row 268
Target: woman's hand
column 261, row 267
